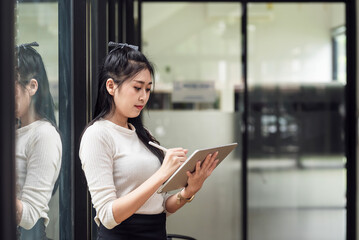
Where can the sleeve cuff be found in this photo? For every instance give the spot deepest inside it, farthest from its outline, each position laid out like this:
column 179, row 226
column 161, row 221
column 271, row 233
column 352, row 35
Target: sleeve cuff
column 107, row 220
column 165, row 197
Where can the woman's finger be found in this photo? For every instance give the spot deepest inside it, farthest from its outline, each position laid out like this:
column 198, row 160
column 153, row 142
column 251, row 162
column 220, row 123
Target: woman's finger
column 198, row 166
column 181, row 159
column 206, row 161
column 209, row 160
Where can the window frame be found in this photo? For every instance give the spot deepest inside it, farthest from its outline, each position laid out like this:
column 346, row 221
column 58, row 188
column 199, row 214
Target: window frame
column 7, row 121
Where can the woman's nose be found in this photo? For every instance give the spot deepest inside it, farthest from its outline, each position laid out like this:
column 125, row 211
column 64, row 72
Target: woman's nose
column 143, row 95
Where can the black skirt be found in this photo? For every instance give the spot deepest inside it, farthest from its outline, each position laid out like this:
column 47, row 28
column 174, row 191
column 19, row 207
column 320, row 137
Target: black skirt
column 138, row 226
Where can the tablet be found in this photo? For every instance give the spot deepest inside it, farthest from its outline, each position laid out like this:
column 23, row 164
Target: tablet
column 179, row 178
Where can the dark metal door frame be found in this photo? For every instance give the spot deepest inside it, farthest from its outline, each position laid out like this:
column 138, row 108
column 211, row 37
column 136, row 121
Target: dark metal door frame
column 7, row 121
column 73, row 109
column 351, row 130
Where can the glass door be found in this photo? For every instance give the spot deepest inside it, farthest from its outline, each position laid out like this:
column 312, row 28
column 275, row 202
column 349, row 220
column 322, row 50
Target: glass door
column 51, row 197
column 196, row 49
column 38, row 146
column 296, row 142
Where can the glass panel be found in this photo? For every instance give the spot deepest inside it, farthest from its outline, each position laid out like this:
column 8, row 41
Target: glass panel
column 38, row 141
column 296, row 167
column 196, row 50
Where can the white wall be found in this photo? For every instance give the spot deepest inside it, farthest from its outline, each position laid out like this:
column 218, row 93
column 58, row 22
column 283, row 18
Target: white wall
column 215, row 212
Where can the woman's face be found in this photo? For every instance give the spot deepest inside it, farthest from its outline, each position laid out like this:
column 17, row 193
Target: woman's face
column 22, row 100
column 131, row 97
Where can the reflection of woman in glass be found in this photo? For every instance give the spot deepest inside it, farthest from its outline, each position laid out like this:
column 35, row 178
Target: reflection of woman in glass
column 38, row 143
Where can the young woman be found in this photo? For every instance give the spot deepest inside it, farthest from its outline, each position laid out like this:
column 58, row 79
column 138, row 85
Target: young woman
column 38, row 143
column 122, row 170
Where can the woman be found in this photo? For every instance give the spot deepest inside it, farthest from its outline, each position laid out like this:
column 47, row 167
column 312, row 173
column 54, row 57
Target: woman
column 38, row 144
column 122, row 170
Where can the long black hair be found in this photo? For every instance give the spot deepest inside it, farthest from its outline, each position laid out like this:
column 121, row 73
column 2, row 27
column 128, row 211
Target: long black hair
column 122, row 64
column 30, row 66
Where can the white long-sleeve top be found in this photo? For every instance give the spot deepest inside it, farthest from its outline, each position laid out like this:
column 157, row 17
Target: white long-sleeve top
column 38, row 163
column 116, row 162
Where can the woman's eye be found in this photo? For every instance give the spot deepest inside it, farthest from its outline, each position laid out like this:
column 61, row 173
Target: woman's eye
column 137, row 88
column 148, row 89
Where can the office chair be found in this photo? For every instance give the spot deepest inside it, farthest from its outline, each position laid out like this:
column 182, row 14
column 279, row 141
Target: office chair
column 177, row 236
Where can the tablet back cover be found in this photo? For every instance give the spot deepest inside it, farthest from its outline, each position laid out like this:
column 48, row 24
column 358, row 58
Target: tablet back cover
column 179, row 177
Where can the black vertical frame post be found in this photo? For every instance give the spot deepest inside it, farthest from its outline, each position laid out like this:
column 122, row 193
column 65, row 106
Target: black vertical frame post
column 7, row 121
column 137, row 23
column 74, row 219
column 244, row 124
column 126, row 24
column 103, row 18
column 100, row 22
column 121, row 11
column 130, row 24
column 112, row 20
column 80, row 109
column 65, row 125
column 138, row 26
column 351, row 125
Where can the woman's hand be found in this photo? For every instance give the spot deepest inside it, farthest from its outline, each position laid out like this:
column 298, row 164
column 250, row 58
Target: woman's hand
column 201, row 173
column 195, row 181
column 174, row 158
column 18, row 211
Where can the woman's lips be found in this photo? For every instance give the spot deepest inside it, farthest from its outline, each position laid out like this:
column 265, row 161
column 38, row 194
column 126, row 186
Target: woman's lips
column 139, row 107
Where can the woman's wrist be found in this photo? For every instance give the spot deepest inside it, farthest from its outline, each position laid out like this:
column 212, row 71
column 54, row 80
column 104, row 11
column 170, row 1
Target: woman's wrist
column 18, row 211
column 180, row 198
column 161, row 175
column 186, row 193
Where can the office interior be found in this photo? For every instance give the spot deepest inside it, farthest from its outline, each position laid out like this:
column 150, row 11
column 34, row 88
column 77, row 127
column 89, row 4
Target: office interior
column 279, row 78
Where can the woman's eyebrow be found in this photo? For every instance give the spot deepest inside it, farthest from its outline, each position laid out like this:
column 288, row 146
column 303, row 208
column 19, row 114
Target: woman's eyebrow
column 142, row 82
